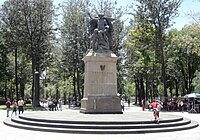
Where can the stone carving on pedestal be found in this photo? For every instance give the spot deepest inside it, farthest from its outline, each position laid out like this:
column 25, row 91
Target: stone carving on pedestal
column 100, row 77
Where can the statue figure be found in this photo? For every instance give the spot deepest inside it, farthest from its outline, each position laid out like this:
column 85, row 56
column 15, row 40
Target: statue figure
column 101, row 32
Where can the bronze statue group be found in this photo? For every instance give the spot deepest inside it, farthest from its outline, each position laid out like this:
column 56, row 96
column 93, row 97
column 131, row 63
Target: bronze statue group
column 100, row 31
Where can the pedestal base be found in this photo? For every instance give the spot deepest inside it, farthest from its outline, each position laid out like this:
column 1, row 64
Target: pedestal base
column 101, row 105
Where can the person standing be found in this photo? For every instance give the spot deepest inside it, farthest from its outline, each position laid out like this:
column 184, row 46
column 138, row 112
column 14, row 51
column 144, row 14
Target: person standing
column 14, row 103
column 8, row 103
column 21, row 105
column 180, row 106
column 122, row 104
column 60, row 104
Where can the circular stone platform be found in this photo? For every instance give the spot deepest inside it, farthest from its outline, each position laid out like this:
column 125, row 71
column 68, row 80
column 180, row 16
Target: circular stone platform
column 72, row 121
column 75, row 115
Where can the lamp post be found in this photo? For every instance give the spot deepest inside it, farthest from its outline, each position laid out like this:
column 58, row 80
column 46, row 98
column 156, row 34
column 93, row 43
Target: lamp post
column 36, row 91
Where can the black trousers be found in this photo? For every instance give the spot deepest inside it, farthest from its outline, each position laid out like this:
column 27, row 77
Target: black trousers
column 21, row 109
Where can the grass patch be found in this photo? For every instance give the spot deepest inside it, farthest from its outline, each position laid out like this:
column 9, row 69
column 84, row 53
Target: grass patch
column 3, row 107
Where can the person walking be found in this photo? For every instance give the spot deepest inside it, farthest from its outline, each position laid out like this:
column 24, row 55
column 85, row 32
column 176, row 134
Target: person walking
column 8, row 104
column 155, row 110
column 129, row 102
column 143, row 104
column 122, row 104
column 21, row 105
column 14, row 103
column 60, row 104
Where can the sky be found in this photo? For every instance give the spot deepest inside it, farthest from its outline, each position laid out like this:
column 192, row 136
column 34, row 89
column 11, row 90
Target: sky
column 187, row 7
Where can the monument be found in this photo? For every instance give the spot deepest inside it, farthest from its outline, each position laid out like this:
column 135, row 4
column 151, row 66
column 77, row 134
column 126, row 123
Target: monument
column 100, row 78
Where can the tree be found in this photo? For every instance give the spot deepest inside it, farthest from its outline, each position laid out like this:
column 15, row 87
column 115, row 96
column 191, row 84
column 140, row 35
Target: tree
column 75, row 42
column 28, row 24
column 186, row 54
column 37, row 17
column 140, row 60
column 10, row 21
column 5, row 71
column 159, row 14
column 196, row 81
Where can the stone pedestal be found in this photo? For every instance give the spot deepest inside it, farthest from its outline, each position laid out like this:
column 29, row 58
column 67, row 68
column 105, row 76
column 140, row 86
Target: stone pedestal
column 100, row 83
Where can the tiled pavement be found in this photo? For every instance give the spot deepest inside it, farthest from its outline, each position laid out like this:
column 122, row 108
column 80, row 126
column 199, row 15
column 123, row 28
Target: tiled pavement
column 9, row 133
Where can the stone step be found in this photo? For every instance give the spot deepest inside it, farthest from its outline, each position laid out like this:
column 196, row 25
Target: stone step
column 76, row 122
column 102, row 122
column 93, row 125
column 193, row 124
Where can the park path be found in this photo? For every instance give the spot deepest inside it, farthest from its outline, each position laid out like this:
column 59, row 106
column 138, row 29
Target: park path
column 9, row 133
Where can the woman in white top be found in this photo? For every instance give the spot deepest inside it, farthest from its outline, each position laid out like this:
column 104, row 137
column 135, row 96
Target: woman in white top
column 21, row 105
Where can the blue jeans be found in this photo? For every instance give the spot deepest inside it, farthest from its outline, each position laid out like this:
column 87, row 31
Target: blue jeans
column 8, row 110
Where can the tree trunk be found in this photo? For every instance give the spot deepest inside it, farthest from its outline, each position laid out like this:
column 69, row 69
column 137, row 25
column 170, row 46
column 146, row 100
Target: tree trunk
column 16, row 77
column 170, row 89
column 22, row 87
column 163, row 73
column 74, row 85
column 176, row 84
column 57, row 93
column 36, row 84
column 33, row 84
column 78, row 85
column 142, row 89
column 147, row 89
column 136, row 90
column 190, row 87
column 5, row 89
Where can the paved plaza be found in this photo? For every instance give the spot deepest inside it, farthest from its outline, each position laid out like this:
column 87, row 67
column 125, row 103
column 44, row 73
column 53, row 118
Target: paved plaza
column 10, row 133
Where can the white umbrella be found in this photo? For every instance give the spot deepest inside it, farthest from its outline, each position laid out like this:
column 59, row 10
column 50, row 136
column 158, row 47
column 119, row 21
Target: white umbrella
column 192, row 95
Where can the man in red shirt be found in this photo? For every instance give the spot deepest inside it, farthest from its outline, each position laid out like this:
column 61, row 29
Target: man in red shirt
column 154, row 105
column 8, row 103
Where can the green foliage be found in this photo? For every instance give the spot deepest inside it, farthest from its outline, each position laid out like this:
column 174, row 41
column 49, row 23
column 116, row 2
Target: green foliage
column 146, row 44
column 27, row 32
column 129, row 89
column 183, row 53
column 196, row 82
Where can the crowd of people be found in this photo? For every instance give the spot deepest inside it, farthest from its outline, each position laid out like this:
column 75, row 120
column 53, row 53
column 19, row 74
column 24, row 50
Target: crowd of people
column 14, row 105
column 156, row 106
column 54, row 105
